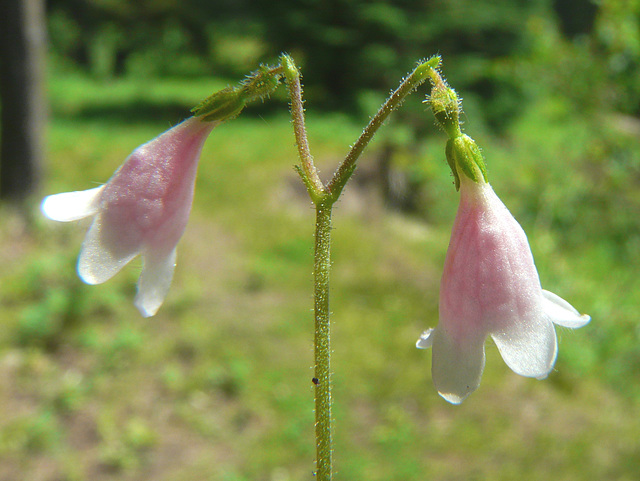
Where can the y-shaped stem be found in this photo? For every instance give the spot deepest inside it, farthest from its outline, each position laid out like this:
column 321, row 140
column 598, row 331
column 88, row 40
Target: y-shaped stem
column 324, row 197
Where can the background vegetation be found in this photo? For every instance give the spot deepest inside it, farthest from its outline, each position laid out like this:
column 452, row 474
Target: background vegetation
column 218, row 385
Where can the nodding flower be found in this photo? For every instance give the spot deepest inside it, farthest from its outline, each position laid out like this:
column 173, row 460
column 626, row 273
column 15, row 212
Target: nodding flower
column 142, row 210
column 490, row 288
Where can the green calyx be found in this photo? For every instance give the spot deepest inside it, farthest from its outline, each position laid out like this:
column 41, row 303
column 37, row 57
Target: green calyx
column 465, row 158
column 229, row 102
column 223, row 105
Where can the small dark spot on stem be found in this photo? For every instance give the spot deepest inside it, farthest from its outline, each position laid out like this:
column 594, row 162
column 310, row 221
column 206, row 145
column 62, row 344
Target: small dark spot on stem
column 315, row 381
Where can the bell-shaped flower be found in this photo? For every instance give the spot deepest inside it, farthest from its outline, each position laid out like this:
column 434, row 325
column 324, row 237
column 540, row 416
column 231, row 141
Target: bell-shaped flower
column 143, row 209
column 490, row 287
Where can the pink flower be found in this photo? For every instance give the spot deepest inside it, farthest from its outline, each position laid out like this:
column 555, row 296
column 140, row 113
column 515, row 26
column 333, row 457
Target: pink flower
column 143, row 209
column 490, row 287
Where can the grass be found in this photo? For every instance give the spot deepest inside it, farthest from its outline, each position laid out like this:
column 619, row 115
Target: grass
column 218, row 385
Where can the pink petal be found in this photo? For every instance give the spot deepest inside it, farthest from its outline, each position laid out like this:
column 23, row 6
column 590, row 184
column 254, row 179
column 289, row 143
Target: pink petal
column 489, row 282
column 154, row 282
column 148, row 200
column 145, row 206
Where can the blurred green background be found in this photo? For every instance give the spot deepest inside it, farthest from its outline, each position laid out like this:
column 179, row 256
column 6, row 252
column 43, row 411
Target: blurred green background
column 218, row 385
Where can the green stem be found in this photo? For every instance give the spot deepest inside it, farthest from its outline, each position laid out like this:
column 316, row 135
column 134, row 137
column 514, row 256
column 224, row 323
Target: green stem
column 308, row 171
column 324, row 197
column 345, row 170
column 322, row 266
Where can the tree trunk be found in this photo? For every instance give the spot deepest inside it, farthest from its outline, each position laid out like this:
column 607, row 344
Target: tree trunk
column 22, row 75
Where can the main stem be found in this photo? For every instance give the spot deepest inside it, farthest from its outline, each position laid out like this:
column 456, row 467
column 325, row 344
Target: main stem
column 324, row 197
column 322, row 265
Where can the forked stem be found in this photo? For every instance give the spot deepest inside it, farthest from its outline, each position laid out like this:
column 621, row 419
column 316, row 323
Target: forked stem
column 324, row 196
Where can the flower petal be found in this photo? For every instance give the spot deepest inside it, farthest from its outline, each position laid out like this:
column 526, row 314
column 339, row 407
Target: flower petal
column 71, row 206
column 426, row 339
column 456, row 368
column 529, row 348
column 154, row 282
column 102, row 256
column 561, row 312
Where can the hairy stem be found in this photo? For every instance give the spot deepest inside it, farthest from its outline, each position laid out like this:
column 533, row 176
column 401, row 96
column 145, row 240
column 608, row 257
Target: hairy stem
column 323, row 198
column 308, row 172
column 345, row 170
column 322, row 380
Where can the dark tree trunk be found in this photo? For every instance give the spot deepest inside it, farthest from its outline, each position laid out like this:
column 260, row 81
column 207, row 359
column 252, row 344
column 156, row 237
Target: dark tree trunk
column 22, row 65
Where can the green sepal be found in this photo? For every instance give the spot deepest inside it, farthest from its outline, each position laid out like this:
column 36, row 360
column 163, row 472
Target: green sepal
column 223, row 105
column 444, row 104
column 229, row 102
column 465, row 155
column 452, row 163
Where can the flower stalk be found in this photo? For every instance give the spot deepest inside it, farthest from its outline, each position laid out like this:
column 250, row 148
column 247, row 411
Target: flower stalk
column 307, row 169
column 414, row 80
column 324, row 196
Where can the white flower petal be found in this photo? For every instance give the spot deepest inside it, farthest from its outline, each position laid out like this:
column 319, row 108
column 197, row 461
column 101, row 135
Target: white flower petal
column 154, row 282
column 561, row 312
column 456, row 368
column 529, row 348
column 426, row 339
column 101, row 258
column 71, row 206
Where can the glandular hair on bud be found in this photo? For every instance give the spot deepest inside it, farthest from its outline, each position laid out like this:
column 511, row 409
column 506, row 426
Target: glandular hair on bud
column 445, row 105
column 259, row 85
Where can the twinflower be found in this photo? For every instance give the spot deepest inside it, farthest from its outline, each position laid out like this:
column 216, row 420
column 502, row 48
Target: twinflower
column 490, row 287
column 142, row 210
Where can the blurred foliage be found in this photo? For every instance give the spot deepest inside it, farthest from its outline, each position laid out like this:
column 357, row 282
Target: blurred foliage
column 348, row 48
